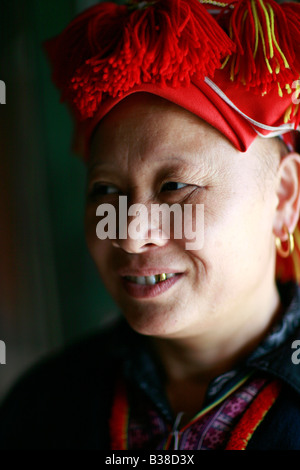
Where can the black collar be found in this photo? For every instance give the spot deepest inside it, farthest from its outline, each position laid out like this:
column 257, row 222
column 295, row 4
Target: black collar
column 278, row 359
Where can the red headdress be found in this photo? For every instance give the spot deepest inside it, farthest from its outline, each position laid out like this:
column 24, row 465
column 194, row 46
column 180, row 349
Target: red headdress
column 235, row 64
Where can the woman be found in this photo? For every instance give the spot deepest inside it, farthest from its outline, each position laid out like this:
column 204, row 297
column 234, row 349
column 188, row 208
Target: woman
column 173, row 101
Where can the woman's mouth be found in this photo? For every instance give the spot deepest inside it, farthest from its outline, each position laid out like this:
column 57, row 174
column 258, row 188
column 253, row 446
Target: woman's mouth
column 149, row 286
column 150, row 280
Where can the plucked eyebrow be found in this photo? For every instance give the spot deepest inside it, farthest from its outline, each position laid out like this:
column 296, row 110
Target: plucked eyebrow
column 91, row 167
column 170, row 160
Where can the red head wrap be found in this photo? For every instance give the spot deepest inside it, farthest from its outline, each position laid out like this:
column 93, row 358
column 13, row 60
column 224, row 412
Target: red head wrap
column 235, row 64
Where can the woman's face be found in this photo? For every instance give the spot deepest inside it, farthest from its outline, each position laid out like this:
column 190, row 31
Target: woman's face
column 140, row 150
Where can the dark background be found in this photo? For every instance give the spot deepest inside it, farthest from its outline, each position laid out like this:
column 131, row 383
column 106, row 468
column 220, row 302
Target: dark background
column 50, row 293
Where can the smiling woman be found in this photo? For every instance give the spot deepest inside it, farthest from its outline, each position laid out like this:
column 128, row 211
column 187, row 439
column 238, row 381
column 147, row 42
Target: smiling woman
column 169, row 114
column 136, row 142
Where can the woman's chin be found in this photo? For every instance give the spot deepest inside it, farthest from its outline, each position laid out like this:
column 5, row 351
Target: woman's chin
column 159, row 324
column 150, row 323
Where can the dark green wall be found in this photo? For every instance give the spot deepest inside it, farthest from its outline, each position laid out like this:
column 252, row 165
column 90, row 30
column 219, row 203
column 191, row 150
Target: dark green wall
column 83, row 299
column 50, row 292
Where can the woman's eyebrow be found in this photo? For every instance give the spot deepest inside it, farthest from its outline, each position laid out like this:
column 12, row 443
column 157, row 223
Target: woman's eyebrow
column 96, row 165
column 171, row 162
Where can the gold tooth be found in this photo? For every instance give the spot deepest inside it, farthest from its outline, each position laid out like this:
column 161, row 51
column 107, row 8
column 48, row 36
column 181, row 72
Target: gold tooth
column 163, row 277
column 160, row 277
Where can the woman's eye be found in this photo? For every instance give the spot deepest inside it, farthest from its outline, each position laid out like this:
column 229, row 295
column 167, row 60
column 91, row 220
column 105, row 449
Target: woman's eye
column 173, row 186
column 100, row 189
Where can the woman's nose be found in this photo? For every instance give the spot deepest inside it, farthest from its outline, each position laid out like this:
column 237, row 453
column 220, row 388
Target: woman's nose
column 142, row 232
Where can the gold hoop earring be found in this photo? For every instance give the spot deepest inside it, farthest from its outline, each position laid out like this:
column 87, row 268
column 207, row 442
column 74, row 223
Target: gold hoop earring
column 285, row 253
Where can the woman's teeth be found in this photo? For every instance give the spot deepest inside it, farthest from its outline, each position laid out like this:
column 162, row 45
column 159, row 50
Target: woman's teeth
column 150, row 280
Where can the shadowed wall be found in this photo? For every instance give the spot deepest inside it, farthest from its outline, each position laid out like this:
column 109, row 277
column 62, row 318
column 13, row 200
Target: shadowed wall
column 50, row 293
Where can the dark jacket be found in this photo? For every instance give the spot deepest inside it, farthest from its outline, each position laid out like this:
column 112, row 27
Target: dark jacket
column 64, row 402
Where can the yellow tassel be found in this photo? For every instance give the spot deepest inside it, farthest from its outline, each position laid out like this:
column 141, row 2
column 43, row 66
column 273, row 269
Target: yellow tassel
column 266, row 54
column 286, row 64
column 288, row 113
column 214, row 3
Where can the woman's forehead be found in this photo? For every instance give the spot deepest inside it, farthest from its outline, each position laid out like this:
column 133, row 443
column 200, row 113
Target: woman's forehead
column 146, row 128
column 144, row 106
column 148, row 121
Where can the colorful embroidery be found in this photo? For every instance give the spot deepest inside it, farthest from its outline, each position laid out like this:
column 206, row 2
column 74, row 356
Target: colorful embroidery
column 232, row 420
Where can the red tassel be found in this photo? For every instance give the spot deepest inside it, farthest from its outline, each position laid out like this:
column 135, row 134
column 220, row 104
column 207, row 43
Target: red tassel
column 79, row 41
column 292, row 12
column 267, row 36
column 112, row 48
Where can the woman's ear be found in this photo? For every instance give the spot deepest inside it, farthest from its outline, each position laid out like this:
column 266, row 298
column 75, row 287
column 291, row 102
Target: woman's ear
column 288, row 195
